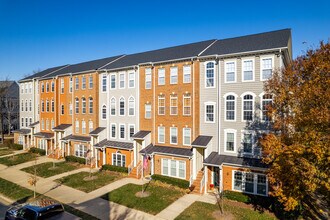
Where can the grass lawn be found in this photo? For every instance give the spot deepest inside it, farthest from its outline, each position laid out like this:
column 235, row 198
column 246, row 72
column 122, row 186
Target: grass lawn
column 5, row 152
column 202, row 210
column 45, row 169
column 17, row 159
column 77, row 180
column 159, row 198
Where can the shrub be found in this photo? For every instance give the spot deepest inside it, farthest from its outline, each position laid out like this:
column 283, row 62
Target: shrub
column 39, row 151
column 236, row 196
column 16, row 146
column 115, row 168
column 75, row 159
column 172, row 181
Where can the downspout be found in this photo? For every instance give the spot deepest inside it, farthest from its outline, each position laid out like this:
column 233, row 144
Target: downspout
column 194, row 160
column 219, row 100
column 154, row 103
column 137, row 111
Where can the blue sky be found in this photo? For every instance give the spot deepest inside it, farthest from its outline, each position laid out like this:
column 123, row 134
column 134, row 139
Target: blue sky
column 38, row 34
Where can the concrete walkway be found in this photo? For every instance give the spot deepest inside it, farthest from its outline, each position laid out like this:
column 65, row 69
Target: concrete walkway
column 14, row 153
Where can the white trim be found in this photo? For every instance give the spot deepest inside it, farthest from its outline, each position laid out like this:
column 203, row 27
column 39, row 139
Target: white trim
column 122, row 98
column 242, row 105
column 113, row 98
column 124, row 80
column 226, row 131
column 176, row 134
column 253, row 137
column 183, row 137
column 235, row 72
column 183, row 73
column 129, row 130
column 119, row 129
column 174, row 96
column 177, row 165
column 106, row 82
column 158, row 135
column 129, row 107
column 115, row 130
column 129, row 73
column 214, row 112
column 147, row 71
column 261, row 65
column 255, row 183
column 173, row 70
column 161, row 70
column 225, row 109
column 253, row 69
column 113, row 74
column 104, row 105
column 205, row 75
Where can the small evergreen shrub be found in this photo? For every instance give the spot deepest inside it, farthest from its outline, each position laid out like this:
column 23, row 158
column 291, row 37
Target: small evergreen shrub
column 172, row 181
column 39, row 151
column 75, row 159
column 115, row 168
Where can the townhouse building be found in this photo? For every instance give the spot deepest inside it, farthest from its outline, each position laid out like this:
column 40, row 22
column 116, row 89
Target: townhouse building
column 192, row 112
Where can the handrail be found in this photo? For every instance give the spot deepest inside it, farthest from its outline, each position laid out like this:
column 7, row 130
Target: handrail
column 130, row 167
column 139, row 169
column 191, row 180
column 202, row 184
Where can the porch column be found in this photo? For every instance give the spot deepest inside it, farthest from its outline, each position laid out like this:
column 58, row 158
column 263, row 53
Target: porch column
column 96, row 158
column 205, row 178
column 152, row 164
column 220, row 179
column 135, row 153
column 45, row 142
column 194, row 162
column 104, row 154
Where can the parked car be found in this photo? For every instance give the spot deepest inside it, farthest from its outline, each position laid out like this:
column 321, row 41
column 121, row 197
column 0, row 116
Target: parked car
column 43, row 209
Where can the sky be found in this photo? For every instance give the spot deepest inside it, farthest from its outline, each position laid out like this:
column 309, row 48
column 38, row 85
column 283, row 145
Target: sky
column 39, row 34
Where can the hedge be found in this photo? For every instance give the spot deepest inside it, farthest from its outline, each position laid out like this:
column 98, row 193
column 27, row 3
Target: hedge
column 16, row 146
column 75, row 159
column 236, row 196
column 39, row 151
column 115, row 168
column 170, row 180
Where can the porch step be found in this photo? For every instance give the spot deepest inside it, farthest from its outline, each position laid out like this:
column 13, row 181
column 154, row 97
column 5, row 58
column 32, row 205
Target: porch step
column 134, row 172
column 195, row 187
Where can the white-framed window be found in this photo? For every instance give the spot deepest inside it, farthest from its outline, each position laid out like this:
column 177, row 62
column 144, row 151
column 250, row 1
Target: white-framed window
column 62, row 109
column 113, row 106
column 248, row 182
column 47, row 87
column 186, row 104
column 90, row 105
column 248, row 142
column 174, row 75
column 247, row 70
column 230, row 72
column 174, row 135
column 77, row 106
column 118, row 159
column 22, row 105
column 20, row 140
column 70, row 108
column 131, row 106
column 122, row 106
column 147, row 108
column 266, row 68
column 113, row 130
column 47, row 123
column 30, row 88
column 148, row 78
column 104, row 82
column 122, row 80
column 26, row 105
column 161, row 76
column 210, row 75
column 209, row 112
column 173, row 105
column 42, row 144
column 22, row 122
column 83, row 127
column 230, row 140
column 161, row 105
column 30, row 105
column 131, row 130
column 52, row 123
column 42, row 87
column 42, row 124
column 91, row 83
column 77, row 126
column 104, row 112
column 80, row 150
column 83, row 105
column 42, row 106
column 26, row 122
column 186, row 136
column 77, row 83
column 53, row 105
column 131, row 79
column 70, row 84
column 22, row 89
column 187, row 74
column 90, row 126
column 26, row 88
column 30, row 121
column 230, row 102
column 266, row 101
column 53, row 86
column 121, row 131
column 113, row 81
column 161, row 134
column 248, row 106
column 62, row 85
column 174, row 168
column 47, row 106
column 83, row 82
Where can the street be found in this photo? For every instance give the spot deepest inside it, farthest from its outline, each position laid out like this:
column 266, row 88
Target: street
column 3, row 207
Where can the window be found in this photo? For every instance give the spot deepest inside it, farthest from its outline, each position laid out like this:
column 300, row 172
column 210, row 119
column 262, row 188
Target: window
column 230, row 72
column 209, row 112
column 53, row 106
column 104, row 82
column 26, row 88
column 122, row 106
column 30, row 105
column 80, row 150
column 113, row 130
column 230, row 108
column 147, row 108
column 174, row 105
column 77, row 83
column 238, row 181
column 62, row 85
column 261, row 184
column 70, row 108
column 161, row 134
column 52, row 124
column 122, row 131
column 266, row 103
column 22, row 89
column 131, row 106
column 187, row 74
column 83, row 127
column 47, row 124
column 266, row 68
column 90, row 105
column 83, row 105
column 26, row 105
column 161, row 76
column 47, row 106
column 27, row 122
column 53, row 86
column 247, row 69
column 131, row 80
column 118, row 159
column 91, row 84
column 174, row 75
column 209, row 75
column 122, row 80
column 22, row 105
column 131, row 130
column 30, row 88
column 22, row 122
column 247, row 108
column 113, row 81
column 83, row 82
column 62, row 109
column 104, row 112
column 186, row 136
column 90, row 126
column 252, row 183
column 42, row 106
column 161, row 105
column 42, row 124
column 77, row 126
column 77, row 106
column 174, row 135
column 249, row 182
column 70, row 85
column 113, row 106
column 186, row 104
column 148, row 78
column 30, row 121
column 230, row 140
column 42, row 87
column 247, row 142
column 174, row 168
column 47, row 87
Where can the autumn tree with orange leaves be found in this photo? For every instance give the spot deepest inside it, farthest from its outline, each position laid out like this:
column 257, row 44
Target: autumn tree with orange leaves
column 298, row 148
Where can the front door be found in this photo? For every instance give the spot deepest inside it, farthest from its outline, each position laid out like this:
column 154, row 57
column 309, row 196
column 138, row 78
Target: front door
column 199, row 158
column 216, row 179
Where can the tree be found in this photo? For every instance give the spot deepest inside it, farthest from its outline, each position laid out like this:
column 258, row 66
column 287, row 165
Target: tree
column 298, row 148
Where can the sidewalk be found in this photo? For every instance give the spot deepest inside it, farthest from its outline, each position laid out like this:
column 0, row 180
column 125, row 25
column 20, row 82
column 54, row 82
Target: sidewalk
column 15, row 152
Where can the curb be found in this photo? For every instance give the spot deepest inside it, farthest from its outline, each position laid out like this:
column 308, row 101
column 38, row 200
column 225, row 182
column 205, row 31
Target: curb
column 6, row 200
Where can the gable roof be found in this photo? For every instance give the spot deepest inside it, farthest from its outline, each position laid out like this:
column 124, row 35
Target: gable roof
column 254, row 42
column 43, row 73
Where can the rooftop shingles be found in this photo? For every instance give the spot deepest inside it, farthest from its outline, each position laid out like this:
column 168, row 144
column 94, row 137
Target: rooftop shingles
column 115, row 144
column 44, row 135
column 34, row 124
column 97, row 131
column 44, row 72
column 201, row 140
column 76, row 138
column 154, row 149
column 62, row 127
column 141, row 134
column 23, row 131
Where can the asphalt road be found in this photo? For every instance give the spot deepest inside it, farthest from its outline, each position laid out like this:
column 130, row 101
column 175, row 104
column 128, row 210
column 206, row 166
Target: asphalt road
column 3, row 208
